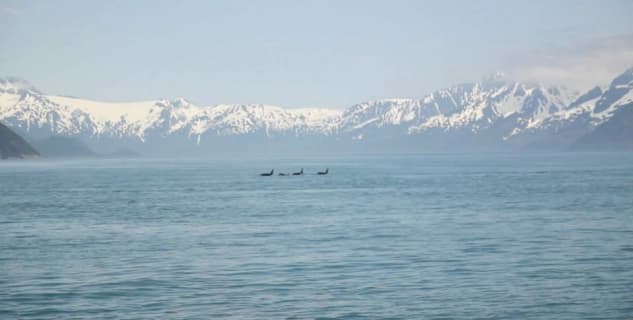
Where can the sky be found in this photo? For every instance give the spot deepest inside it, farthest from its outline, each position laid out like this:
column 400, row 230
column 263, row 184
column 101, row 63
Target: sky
column 306, row 53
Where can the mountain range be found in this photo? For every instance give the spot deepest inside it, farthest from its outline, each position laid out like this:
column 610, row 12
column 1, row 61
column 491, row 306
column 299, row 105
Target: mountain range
column 494, row 114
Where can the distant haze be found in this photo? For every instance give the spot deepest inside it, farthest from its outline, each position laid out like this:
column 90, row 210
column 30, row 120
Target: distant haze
column 306, row 53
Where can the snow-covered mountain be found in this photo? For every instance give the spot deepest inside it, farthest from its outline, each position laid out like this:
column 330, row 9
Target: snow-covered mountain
column 588, row 110
column 494, row 112
column 472, row 107
column 24, row 107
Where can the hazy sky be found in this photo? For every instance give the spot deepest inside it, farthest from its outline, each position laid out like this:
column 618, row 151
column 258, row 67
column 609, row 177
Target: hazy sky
column 305, row 53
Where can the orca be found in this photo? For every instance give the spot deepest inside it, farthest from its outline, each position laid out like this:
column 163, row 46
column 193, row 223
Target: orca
column 300, row 173
column 322, row 173
column 283, row 174
column 267, row 174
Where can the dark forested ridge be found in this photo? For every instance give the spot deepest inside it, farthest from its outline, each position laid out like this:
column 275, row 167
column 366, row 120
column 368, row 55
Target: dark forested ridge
column 14, row 146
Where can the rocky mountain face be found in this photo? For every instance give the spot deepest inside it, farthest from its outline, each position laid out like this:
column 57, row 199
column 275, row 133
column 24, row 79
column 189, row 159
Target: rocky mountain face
column 493, row 114
column 13, row 146
column 614, row 134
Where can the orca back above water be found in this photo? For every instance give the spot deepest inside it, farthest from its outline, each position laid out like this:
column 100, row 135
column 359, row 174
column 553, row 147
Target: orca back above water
column 267, row 174
column 322, row 173
column 281, row 174
column 300, row 173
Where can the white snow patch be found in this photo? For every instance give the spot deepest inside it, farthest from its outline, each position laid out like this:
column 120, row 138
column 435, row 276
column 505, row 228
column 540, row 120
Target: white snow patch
column 108, row 111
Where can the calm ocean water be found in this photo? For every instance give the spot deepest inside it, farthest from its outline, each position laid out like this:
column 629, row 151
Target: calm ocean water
column 542, row 236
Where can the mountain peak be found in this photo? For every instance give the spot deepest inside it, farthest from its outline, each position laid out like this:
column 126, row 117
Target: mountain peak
column 16, row 85
column 623, row 79
column 495, row 77
column 180, row 102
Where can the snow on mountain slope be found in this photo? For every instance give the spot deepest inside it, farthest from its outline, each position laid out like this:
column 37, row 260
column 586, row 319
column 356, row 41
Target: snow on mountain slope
column 590, row 109
column 108, row 111
column 23, row 107
column 473, row 107
column 493, row 107
column 379, row 113
column 243, row 119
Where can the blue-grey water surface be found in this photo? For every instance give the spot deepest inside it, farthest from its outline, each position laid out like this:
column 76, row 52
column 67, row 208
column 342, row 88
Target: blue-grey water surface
column 541, row 236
